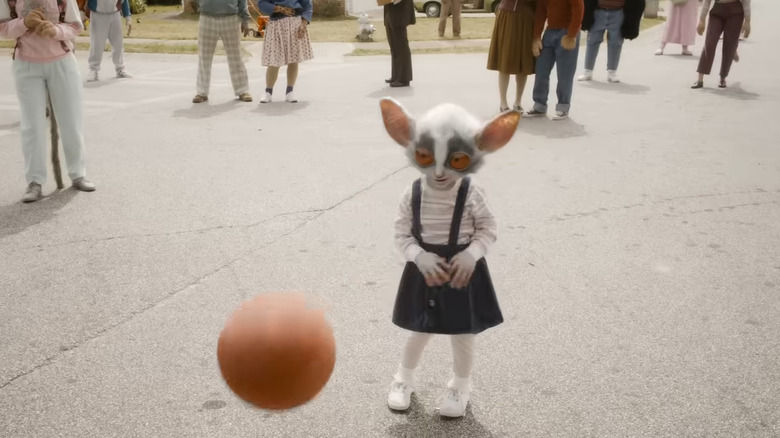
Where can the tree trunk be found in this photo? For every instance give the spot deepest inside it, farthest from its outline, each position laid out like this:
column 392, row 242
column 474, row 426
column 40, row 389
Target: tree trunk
column 651, row 9
column 190, row 6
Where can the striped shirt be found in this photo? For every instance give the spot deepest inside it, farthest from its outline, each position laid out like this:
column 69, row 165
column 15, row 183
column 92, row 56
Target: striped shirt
column 611, row 4
column 705, row 9
column 478, row 227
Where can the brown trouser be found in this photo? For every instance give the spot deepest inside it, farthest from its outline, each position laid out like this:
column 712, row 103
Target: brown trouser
column 446, row 6
column 726, row 19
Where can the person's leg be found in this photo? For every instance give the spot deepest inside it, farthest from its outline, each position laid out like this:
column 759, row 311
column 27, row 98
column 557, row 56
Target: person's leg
column 391, row 40
column 404, row 55
column 446, row 6
column 31, row 92
column 117, row 43
column 403, row 381
column 292, row 77
column 503, row 87
column 714, row 29
column 99, row 27
column 229, row 31
column 456, row 398
column 566, row 65
column 67, row 102
column 594, row 40
column 520, row 81
column 614, row 43
column 544, row 65
column 732, row 27
column 208, row 34
column 457, row 7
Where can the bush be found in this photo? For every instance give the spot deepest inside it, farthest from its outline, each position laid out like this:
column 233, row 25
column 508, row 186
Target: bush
column 137, row 6
column 328, row 8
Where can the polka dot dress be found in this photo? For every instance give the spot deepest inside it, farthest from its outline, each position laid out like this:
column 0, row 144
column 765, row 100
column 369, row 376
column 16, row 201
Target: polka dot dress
column 283, row 45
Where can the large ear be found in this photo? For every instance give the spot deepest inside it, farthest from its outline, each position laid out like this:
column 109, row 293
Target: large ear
column 398, row 122
column 497, row 133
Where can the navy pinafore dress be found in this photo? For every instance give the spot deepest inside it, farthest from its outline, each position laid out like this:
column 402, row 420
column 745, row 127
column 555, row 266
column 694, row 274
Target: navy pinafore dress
column 443, row 309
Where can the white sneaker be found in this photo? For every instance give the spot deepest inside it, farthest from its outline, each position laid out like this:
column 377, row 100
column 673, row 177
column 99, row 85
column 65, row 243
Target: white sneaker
column 612, row 76
column 454, row 403
column 400, row 396
column 266, row 98
column 659, row 52
column 92, row 76
column 587, row 76
column 290, row 97
column 561, row 115
column 123, row 74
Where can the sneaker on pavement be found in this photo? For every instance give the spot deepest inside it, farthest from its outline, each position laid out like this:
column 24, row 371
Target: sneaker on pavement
column 83, row 184
column 92, row 76
column 535, row 113
column 612, row 76
column 200, row 98
column 587, row 76
column 454, row 403
column 290, row 97
column 266, row 98
column 33, row 193
column 400, row 396
column 245, row 97
column 123, row 74
column 561, row 115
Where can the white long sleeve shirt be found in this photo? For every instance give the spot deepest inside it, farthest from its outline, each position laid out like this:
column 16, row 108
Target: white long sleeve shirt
column 478, row 227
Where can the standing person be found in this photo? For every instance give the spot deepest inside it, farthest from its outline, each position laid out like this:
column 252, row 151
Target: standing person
column 729, row 18
column 680, row 26
column 222, row 19
column 620, row 19
column 286, row 42
column 398, row 15
column 105, row 17
column 510, row 48
column 447, row 6
column 559, row 47
column 44, row 63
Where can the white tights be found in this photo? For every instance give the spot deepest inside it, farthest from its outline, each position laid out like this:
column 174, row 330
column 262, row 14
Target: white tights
column 462, row 354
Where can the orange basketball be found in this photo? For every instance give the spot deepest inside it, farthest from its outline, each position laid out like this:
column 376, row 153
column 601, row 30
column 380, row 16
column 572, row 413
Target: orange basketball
column 276, row 353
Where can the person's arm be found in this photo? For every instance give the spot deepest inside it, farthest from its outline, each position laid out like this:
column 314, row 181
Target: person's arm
column 746, row 9
column 125, row 8
column 11, row 29
column 267, row 7
column 405, row 242
column 243, row 11
column 485, row 225
column 308, row 10
column 540, row 19
column 705, row 9
column 577, row 11
column 72, row 26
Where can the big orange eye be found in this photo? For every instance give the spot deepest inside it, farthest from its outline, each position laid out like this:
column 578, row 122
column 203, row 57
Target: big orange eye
column 423, row 157
column 460, row 161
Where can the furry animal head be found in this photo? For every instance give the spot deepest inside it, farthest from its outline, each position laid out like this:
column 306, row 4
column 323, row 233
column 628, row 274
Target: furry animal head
column 447, row 143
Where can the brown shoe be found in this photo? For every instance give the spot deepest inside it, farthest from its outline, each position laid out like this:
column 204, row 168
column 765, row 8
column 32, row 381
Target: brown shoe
column 245, row 97
column 200, row 98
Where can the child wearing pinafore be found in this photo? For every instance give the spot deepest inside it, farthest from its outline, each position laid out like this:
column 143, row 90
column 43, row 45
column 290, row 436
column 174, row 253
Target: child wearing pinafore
column 44, row 63
column 444, row 229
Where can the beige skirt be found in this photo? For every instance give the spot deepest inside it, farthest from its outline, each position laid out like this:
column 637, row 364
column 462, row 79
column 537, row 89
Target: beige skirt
column 510, row 47
column 283, row 46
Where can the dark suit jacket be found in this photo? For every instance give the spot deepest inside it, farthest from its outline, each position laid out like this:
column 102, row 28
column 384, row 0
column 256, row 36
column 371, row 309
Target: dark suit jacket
column 632, row 16
column 400, row 15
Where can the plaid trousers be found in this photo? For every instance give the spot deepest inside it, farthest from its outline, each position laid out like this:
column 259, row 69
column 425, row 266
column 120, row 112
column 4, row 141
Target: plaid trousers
column 210, row 30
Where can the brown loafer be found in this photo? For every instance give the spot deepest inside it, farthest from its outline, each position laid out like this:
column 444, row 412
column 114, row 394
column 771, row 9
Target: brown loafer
column 245, row 97
column 200, row 98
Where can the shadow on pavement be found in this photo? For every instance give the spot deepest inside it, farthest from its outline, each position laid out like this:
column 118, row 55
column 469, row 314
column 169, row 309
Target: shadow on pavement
column 17, row 217
column 420, row 423
column 546, row 127
column 205, row 110
column 620, row 87
column 280, row 107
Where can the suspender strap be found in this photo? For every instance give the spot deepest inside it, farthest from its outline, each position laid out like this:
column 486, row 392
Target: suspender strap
column 416, row 206
column 460, row 205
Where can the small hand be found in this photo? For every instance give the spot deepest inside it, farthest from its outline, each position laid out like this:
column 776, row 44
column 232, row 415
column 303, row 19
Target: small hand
column 34, row 19
column 568, row 42
column 244, row 29
column 433, row 268
column 46, row 29
column 536, row 47
column 746, row 29
column 302, row 29
column 461, row 269
column 700, row 27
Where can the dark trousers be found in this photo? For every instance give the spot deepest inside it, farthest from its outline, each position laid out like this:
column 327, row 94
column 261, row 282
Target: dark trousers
column 400, row 53
column 726, row 19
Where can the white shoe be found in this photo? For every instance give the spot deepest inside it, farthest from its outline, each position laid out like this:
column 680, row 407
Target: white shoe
column 400, row 396
column 659, row 52
column 587, row 76
column 290, row 97
column 266, row 98
column 561, row 115
column 123, row 74
column 612, row 76
column 92, row 76
column 454, row 403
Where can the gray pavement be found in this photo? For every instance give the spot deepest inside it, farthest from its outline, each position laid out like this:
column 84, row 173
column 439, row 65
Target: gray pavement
column 637, row 264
